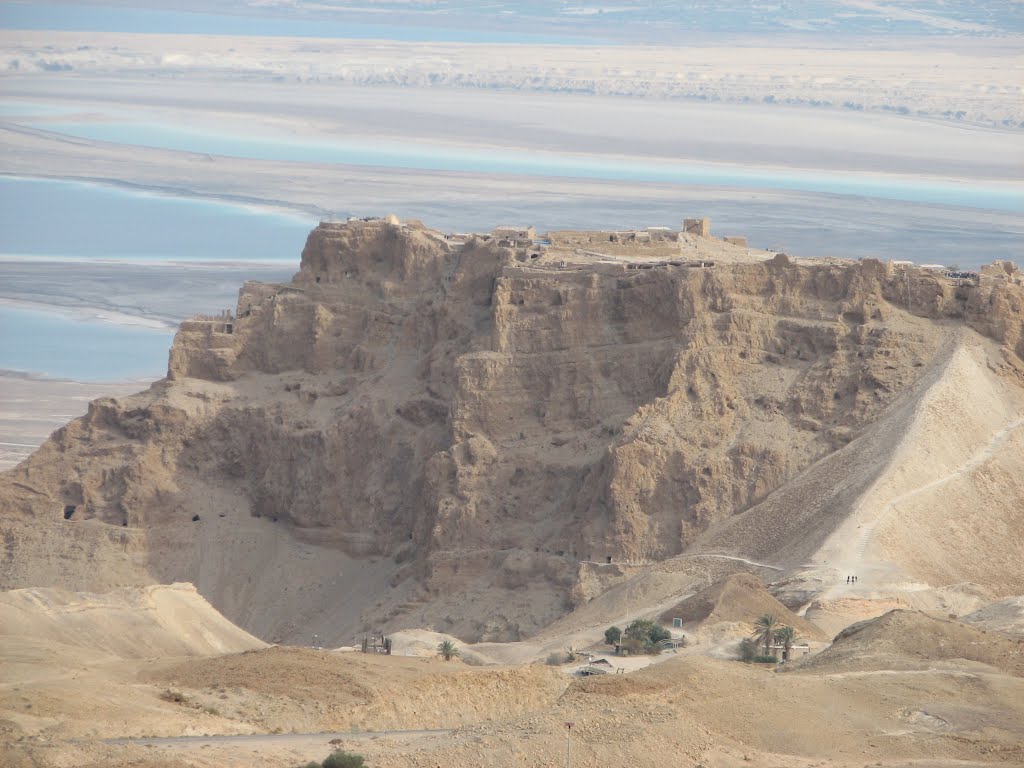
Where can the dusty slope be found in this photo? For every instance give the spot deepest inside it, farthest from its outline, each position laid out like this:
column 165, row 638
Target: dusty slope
column 1003, row 615
column 160, row 660
column 700, row 711
column 924, row 506
column 469, row 426
column 306, row 690
column 69, row 660
column 737, row 598
column 910, row 640
column 130, row 623
column 904, row 689
column 947, row 507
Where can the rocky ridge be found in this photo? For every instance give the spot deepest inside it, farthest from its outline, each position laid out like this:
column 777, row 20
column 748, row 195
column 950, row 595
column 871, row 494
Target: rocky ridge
column 489, row 425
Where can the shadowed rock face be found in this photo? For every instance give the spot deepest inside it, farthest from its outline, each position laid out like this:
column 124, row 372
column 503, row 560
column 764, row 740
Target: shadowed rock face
column 484, row 419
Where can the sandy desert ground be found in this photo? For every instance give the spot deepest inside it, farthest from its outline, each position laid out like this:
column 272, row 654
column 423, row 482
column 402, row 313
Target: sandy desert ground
column 903, row 690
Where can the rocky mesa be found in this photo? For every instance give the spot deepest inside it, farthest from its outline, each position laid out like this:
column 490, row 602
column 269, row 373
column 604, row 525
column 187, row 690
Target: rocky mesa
column 458, row 432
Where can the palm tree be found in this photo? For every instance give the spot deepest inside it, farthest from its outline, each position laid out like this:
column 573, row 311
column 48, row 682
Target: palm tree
column 764, row 632
column 447, row 650
column 787, row 636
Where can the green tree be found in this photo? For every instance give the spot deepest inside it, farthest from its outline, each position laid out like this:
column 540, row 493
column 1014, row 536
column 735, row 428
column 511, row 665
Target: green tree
column 446, row 650
column 764, row 631
column 658, row 633
column 612, row 635
column 647, row 633
column 640, row 629
column 787, row 636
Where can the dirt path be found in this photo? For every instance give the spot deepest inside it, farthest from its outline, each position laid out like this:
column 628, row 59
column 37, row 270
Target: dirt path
column 979, row 458
column 272, row 739
column 737, row 559
column 852, row 549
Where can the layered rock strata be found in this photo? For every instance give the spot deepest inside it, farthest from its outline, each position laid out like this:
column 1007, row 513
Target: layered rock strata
column 484, row 419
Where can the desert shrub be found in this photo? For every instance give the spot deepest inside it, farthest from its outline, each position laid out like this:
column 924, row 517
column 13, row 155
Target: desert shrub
column 647, row 634
column 612, row 635
column 174, row 697
column 765, row 660
column 343, row 759
column 747, row 650
column 657, row 633
column 639, row 629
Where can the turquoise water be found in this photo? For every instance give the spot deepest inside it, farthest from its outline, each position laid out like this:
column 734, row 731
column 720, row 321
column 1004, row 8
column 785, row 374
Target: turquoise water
column 45, row 220
column 100, row 18
column 49, row 218
column 31, row 109
column 63, row 346
column 1001, row 197
column 666, row 21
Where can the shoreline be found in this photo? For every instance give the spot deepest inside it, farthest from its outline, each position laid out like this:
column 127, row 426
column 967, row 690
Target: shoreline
column 90, row 314
column 253, row 205
column 942, row 190
column 42, row 378
column 197, row 263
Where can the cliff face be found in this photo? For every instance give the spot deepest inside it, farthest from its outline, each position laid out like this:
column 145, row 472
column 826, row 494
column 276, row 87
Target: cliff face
column 486, row 420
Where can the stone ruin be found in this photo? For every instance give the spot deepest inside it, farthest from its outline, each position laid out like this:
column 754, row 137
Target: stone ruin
column 697, row 227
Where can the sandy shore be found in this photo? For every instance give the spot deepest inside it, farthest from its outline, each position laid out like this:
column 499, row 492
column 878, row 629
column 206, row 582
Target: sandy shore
column 91, row 314
column 152, row 295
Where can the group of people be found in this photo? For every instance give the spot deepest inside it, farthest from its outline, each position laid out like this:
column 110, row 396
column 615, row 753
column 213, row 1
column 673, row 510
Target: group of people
column 851, row 579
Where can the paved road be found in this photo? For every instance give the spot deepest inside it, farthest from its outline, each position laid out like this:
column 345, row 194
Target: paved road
column 279, row 738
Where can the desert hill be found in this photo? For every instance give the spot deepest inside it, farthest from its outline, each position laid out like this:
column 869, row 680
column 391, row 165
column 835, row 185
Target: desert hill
column 70, row 660
column 1003, row 615
column 421, row 431
column 738, row 598
column 909, row 640
column 129, row 623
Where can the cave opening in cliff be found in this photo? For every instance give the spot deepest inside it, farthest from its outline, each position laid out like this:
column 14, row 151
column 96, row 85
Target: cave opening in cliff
column 69, row 511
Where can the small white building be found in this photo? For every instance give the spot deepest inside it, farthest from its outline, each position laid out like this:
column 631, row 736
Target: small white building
column 661, row 233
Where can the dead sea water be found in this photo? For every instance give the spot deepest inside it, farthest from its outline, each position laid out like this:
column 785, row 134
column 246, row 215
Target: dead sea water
column 162, row 244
